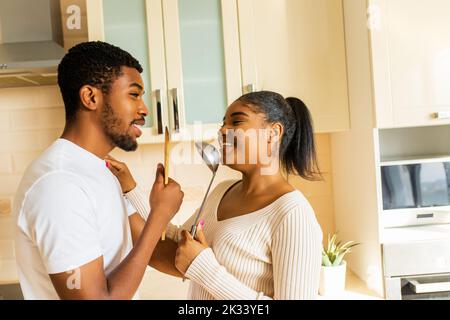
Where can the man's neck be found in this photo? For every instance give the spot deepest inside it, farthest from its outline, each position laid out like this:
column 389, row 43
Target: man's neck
column 89, row 138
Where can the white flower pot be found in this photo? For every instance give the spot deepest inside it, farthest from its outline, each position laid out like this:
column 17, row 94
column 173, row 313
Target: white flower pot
column 332, row 279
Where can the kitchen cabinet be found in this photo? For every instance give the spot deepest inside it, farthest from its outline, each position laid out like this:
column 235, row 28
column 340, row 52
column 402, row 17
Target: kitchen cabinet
column 410, row 43
column 200, row 55
column 297, row 48
column 190, row 53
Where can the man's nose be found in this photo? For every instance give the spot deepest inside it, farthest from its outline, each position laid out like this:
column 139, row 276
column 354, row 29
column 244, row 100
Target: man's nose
column 143, row 110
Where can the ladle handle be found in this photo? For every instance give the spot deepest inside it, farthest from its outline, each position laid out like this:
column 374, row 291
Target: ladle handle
column 194, row 226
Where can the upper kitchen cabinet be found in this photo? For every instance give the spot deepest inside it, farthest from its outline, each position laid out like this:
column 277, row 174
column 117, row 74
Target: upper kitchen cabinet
column 190, row 53
column 297, row 48
column 411, row 61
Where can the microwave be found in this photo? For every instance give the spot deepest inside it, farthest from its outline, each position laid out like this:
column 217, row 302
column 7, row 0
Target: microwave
column 415, row 192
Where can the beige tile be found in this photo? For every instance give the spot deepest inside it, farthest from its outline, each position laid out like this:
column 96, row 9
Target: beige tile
column 5, row 206
column 19, row 141
column 48, row 118
column 47, row 137
column 6, row 227
column 7, row 249
column 9, row 184
column 5, row 163
column 324, row 210
column 30, row 98
column 313, row 188
column 21, row 160
column 5, row 121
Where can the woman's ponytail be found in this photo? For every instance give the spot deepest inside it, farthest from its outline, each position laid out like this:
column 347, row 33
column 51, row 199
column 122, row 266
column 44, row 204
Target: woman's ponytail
column 300, row 153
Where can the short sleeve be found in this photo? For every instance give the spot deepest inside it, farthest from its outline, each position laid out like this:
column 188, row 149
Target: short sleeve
column 59, row 217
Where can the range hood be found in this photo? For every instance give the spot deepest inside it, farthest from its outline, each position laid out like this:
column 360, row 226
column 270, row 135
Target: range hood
column 32, row 39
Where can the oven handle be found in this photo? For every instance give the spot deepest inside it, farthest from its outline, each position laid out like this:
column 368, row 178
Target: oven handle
column 429, row 287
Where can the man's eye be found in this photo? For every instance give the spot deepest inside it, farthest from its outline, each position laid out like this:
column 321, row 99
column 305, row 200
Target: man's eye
column 135, row 94
column 235, row 123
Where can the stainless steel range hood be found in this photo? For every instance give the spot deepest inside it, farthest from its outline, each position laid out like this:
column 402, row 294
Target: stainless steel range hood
column 32, row 40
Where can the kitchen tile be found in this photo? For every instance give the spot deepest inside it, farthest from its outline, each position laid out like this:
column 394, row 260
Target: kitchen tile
column 21, row 160
column 313, row 188
column 7, row 249
column 5, row 206
column 6, row 227
column 47, row 118
column 5, row 163
column 47, row 137
column 30, row 97
column 5, row 121
column 19, row 141
column 9, row 184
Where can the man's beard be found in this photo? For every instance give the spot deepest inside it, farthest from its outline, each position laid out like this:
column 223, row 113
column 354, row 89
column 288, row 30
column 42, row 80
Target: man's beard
column 112, row 125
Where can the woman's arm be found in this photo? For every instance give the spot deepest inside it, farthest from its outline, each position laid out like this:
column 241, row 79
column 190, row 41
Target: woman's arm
column 197, row 261
column 296, row 256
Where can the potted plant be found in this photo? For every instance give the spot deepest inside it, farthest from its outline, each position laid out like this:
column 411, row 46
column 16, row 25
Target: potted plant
column 332, row 274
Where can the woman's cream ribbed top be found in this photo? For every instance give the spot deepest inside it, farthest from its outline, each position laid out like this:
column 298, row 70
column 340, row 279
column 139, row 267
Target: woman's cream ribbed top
column 271, row 253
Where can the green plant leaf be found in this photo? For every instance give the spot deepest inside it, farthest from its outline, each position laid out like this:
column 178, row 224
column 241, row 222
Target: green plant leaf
column 338, row 260
column 326, row 261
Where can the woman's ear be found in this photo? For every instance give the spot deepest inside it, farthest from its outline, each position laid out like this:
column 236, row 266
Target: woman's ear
column 276, row 132
column 90, row 97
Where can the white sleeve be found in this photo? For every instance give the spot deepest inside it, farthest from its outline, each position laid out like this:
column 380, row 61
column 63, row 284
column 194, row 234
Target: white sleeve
column 59, row 216
column 297, row 256
column 140, row 201
column 206, row 271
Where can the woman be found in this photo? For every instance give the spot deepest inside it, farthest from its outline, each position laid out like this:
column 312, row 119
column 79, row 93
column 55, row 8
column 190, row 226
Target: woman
column 259, row 237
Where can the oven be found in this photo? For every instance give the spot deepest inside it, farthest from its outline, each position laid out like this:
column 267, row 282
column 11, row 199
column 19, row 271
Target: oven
column 418, row 270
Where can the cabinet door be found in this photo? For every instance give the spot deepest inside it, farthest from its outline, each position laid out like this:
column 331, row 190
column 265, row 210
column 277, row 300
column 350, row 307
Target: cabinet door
column 126, row 24
column 203, row 63
column 297, row 48
column 411, row 61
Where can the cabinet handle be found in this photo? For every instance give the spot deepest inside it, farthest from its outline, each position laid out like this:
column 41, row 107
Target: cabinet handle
column 249, row 88
column 159, row 114
column 441, row 115
column 176, row 115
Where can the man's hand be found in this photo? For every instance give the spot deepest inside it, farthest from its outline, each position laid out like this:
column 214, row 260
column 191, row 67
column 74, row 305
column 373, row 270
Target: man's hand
column 165, row 200
column 189, row 248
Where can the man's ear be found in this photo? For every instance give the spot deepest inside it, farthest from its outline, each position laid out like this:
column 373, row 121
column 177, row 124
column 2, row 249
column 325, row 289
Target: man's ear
column 90, row 97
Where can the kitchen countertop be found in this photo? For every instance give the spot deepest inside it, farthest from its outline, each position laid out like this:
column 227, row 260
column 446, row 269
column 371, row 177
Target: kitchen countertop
column 355, row 289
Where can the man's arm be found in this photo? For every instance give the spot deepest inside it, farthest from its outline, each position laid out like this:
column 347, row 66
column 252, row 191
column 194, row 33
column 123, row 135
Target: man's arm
column 163, row 257
column 90, row 282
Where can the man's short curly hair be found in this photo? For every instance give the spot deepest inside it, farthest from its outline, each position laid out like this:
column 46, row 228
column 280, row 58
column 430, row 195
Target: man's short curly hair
column 93, row 63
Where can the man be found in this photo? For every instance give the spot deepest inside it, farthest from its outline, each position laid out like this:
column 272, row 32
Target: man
column 77, row 236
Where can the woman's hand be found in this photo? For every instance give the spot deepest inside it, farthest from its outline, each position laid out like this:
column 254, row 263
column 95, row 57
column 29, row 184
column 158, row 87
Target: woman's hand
column 189, row 248
column 122, row 173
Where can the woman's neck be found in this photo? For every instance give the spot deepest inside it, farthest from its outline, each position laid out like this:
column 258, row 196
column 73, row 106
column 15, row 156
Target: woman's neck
column 254, row 183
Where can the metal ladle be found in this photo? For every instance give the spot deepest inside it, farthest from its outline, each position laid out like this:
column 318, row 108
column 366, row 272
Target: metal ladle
column 211, row 157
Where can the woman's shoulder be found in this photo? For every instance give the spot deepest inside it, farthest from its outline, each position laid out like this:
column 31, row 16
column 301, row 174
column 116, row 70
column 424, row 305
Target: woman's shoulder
column 293, row 206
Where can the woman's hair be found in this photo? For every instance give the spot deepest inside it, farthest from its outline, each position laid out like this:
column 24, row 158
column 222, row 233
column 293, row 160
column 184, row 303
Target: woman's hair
column 297, row 148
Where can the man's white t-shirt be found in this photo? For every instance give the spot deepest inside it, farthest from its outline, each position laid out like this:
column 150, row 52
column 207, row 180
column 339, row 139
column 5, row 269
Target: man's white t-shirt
column 69, row 211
